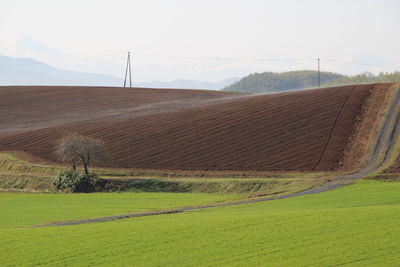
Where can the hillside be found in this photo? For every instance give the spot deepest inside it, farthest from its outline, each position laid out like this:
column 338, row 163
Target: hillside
column 194, row 130
column 366, row 77
column 25, row 108
column 270, row 82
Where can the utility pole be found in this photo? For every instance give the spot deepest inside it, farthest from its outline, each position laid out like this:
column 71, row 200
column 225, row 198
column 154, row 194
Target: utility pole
column 319, row 79
column 128, row 66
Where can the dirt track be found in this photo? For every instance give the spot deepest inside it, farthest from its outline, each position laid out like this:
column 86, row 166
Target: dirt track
column 188, row 130
column 326, row 187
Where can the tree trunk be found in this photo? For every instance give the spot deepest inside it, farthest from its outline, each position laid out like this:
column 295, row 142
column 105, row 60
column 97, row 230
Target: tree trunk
column 73, row 165
column 86, row 168
column 85, row 164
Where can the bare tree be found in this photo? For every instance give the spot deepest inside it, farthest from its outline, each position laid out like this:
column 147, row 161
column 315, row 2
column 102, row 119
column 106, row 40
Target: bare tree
column 74, row 147
column 67, row 149
column 90, row 151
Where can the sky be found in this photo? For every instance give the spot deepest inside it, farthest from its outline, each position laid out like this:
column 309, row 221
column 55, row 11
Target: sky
column 203, row 40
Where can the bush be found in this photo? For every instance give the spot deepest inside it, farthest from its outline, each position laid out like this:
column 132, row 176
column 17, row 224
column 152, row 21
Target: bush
column 73, row 181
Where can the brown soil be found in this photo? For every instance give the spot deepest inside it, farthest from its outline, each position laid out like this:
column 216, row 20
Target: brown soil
column 395, row 168
column 368, row 124
column 190, row 130
column 392, row 172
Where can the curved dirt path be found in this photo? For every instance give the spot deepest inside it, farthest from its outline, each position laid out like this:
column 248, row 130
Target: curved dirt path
column 385, row 145
column 325, row 187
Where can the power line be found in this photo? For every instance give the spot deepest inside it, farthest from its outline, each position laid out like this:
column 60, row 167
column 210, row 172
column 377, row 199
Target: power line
column 256, row 59
column 223, row 58
column 354, row 63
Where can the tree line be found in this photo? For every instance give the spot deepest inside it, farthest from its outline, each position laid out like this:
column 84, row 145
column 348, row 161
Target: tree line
column 366, row 77
column 273, row 82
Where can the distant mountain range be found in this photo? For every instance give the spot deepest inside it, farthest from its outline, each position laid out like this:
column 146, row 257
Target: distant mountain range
column 25, row 71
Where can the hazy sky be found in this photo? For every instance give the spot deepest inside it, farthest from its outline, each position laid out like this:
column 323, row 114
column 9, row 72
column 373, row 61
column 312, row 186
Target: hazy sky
column 205, row 40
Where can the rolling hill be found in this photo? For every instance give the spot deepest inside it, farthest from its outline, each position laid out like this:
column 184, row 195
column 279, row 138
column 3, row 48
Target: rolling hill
column 271, row 82
column 321, row 129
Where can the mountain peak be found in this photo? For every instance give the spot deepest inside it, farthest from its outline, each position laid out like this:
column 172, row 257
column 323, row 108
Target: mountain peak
column 23, row 46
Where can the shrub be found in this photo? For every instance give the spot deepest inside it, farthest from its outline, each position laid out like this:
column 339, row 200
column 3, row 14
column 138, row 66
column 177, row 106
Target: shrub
column 73, row 181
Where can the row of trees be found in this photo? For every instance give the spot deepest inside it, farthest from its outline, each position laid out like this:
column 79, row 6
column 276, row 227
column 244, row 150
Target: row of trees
column 367, row 77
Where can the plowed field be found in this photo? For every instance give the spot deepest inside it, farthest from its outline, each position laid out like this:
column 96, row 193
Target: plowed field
column 185, row 129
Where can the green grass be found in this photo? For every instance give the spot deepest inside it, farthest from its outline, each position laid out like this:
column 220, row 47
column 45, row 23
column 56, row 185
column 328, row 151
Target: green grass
column 24, row 209
column 356, row 225
column 216, row 185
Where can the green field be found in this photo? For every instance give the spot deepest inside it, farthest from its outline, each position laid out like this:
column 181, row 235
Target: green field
column 357, row 225
column 25, row 209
